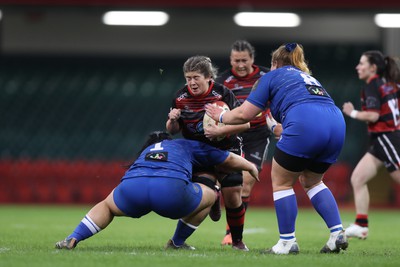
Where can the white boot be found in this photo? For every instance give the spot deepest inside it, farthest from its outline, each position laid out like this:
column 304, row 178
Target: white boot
column 285, row 247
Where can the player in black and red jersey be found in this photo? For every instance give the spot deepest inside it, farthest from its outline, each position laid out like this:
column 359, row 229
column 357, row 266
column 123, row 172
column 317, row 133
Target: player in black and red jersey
column 240, row 79
column 186, row 116
column 380, row 110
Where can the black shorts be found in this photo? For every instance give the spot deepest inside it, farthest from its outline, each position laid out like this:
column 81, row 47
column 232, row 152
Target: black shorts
column 298, row 164
column 255, row 145
column 386, row 147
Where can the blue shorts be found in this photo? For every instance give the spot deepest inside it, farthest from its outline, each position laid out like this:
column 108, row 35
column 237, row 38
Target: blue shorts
column 168, row 197
column 313, row 131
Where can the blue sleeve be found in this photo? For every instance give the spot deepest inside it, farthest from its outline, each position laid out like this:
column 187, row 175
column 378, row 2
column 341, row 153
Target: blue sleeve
column 259, row 96
column 206, row 155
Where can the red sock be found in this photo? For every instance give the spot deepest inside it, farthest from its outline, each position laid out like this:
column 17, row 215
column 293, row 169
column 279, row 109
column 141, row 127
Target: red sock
column 246, row 201
column 362, row 220
column 235, row 218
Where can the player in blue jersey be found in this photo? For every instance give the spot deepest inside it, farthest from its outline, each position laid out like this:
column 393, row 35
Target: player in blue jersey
column 163, row 169
column 312, row 137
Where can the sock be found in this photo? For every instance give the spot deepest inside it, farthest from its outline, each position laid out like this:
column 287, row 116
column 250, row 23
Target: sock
column 246, row 201
column 362, row 220
column 228, row 231
column 182, row 232
column 85, row 229
column 235, row 219
column 325, row 204
column 286, row 212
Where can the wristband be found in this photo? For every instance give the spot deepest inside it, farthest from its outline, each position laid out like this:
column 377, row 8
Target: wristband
column 220, row 116
column 354, row 113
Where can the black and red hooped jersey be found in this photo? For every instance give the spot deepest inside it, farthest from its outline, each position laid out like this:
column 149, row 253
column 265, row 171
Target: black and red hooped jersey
column 383, row 98
column 192, row 112
column 242, row 86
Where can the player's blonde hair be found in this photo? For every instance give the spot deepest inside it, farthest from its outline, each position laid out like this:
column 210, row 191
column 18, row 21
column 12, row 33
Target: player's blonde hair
column 290, row 54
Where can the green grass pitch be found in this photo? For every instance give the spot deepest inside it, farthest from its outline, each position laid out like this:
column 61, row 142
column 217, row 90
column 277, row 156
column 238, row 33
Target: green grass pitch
column 28, row 234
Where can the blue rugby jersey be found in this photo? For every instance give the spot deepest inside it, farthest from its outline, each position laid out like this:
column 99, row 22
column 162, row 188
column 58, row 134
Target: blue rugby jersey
column 175, row 159
column 286, row 87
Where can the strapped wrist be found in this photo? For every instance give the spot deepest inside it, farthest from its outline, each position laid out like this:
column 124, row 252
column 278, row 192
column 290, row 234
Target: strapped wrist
column 353, row 114
column 221, row 115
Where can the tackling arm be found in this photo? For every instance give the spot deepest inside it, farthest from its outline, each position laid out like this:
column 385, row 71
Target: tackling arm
column 237, row 163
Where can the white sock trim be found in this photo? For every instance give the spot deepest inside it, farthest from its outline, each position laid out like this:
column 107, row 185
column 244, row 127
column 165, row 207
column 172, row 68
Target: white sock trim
column 282, row 194
column 90, row 224
column 188, row 224
column 315, row 190
column 336, row 228
column 287, row 237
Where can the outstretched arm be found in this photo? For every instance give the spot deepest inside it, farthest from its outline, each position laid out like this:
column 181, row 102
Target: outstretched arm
column 242, row 114
column 367, row 116
column 237, row 163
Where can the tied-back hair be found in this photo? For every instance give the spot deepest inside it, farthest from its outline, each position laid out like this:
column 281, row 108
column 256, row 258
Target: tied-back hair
column 243, row 45
column 291, row 54
column 386, row 67
column 152, row 138
column 201, row 64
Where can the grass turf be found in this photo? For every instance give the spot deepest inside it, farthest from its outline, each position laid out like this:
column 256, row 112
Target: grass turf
column 28, row 234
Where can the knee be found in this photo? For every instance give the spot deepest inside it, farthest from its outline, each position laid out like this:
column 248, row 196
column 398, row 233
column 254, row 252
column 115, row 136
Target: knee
column 232, row 180
column 357, row 181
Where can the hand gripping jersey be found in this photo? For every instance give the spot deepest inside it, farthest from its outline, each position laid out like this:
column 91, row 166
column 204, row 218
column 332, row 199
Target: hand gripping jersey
column 192, row 112
column 383, row 98
column 242, row 86
column 174, row 159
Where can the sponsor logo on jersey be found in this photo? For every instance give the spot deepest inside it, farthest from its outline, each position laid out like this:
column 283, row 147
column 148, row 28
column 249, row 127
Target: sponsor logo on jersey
column 157, row 156
column 316, row 90
column 182, row 96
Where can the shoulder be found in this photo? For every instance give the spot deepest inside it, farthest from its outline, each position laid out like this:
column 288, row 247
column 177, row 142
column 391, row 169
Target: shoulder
column 220, row 87
column 374, row 84
column 263, row 69
column 182, row 93
column 223, row 76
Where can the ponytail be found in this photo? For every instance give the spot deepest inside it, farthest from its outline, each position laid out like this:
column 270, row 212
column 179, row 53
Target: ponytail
column 291, row 54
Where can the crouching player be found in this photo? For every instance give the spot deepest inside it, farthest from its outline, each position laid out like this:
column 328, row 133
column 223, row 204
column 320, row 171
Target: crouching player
column 163, row 169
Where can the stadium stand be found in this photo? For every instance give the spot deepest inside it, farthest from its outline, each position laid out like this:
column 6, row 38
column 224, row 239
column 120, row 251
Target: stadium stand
column 68, row 125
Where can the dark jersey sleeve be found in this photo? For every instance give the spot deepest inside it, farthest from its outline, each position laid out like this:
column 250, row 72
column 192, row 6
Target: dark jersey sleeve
column 229, row 98
column 223, row 76
column 371, row 96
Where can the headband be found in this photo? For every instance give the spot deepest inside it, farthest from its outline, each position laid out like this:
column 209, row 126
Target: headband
column 290, row 47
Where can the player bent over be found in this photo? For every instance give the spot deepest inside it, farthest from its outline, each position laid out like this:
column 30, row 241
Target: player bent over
column 163, row 169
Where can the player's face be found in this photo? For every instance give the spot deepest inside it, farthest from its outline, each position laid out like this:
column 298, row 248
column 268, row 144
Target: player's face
column 364, row 69
column 197, row 83
column 242, row 63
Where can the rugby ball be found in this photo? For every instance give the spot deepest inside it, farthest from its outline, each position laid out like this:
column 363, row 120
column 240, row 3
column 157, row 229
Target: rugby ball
column 208, row 121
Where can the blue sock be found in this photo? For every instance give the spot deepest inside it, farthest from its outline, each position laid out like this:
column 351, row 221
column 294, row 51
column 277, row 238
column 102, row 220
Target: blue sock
column 286, row 212
column 85, row 229
column 182, row 232
column 325, row 204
